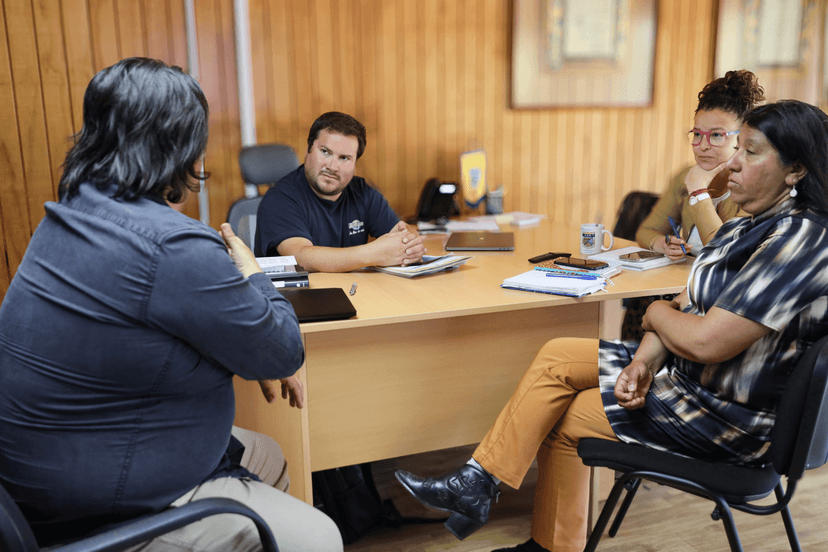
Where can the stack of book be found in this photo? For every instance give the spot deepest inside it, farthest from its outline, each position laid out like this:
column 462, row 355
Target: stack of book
column 548, row 277
column 284, row 272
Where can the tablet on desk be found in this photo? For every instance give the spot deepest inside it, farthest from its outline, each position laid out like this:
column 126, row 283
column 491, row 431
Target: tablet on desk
column 319, row 304
column 481, row 241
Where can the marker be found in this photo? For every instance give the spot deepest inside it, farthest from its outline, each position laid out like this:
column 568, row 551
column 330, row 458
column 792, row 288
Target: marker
column 676, row 232
column 353, row 289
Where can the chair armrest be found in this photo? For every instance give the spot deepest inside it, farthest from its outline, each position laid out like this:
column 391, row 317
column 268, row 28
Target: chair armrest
column 154, row 525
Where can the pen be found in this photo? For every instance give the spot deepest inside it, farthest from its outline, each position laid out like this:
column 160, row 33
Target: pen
column 574, row 276
column 353, row 289
column 676, row 232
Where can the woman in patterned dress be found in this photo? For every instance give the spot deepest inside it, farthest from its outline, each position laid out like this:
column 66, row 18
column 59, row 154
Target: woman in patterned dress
column 707, row 376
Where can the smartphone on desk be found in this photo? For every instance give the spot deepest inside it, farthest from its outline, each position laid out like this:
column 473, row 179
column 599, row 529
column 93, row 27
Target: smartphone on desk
column 575, row 262
column 640, row 256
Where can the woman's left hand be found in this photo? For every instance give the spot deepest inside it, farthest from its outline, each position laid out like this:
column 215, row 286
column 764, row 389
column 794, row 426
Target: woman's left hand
column 291, row 387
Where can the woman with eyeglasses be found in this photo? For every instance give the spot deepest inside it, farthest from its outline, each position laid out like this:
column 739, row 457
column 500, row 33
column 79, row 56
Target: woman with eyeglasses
column 697, row 199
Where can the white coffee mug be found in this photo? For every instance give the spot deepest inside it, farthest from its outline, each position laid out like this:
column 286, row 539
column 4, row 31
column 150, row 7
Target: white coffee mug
column 592, row 239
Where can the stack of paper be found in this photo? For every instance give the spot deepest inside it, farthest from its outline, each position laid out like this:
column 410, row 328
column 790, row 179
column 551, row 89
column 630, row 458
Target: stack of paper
column 429, row 265
column 607, row 272
column 284, row 272
column 541, row 281
column 612, row 258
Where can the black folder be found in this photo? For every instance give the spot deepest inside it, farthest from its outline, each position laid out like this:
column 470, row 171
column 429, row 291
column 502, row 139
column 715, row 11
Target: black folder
column 319, row 304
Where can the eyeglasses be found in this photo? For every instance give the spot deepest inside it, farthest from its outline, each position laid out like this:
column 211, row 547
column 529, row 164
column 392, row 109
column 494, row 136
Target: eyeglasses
column 714, row 137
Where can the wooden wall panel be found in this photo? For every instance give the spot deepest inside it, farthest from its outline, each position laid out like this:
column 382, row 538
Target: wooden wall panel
column 48, row 53
column 430, row 80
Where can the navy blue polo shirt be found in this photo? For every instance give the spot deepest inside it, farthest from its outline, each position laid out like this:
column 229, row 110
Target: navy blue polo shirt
column 291, row 209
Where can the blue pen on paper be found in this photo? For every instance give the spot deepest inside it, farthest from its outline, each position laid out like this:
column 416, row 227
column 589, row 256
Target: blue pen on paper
column 574, row 276
column 676, row 232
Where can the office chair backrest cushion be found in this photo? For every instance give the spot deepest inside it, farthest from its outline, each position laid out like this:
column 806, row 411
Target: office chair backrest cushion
column 267, row 163
column 633, row 210
column 15, row 533
column 799, row 439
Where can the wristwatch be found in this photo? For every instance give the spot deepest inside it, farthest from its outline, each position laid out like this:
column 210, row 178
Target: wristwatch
column 698, row 197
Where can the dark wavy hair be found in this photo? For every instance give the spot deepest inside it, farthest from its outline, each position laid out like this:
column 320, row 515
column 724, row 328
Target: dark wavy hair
column 737, row 92
column 334, row 121
column 144, row 128
column 799, row 133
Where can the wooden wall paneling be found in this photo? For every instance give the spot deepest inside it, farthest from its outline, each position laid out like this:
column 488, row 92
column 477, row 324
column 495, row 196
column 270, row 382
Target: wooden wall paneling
column 55, row 85
column 348, row 61
column 488, row 82
column 387, row 132
column 411, row 108
column 132, row 34
column 106, row 44
column 431, row 96
column 231, row 127
column 217, row 74
column 543, row 153
column 366, row 77
column 13, row 205
column 324, row 60
column 263, row 65
column 79, row 55
column 28, row 89
column 614, row 197
column 281, row 87
column 306, row 109
column 451, row 70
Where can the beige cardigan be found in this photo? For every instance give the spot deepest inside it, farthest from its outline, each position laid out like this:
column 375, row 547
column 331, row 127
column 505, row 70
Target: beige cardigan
column 675, row 203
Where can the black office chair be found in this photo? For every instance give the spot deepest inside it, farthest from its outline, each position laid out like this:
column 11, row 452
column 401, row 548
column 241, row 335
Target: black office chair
column 259, row 164
column 17, row 536
column 799, row 442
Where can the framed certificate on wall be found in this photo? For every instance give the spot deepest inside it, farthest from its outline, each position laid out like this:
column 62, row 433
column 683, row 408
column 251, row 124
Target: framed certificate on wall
column 583, row 53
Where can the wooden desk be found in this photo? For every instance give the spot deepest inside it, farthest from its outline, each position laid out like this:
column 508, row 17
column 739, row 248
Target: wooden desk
column 428, row 363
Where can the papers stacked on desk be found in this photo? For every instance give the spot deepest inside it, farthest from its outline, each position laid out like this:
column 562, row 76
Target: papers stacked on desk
column 429, row 265
column 543, row 281
column 284, row 272
column 612, row 258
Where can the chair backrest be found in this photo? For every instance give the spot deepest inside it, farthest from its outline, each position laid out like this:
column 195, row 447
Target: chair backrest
column 15, row 533
column 799, row 439
column 631, row 213
column 242, row 218
column 266, row 163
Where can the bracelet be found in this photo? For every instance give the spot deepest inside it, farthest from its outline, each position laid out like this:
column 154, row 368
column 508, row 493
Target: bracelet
column 699, row 192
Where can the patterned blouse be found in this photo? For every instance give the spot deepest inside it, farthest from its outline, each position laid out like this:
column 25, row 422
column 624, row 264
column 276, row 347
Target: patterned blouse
column 772, row 269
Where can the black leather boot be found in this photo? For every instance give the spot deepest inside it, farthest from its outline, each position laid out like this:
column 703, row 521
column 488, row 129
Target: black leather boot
column 528, row 546
column 466, row 492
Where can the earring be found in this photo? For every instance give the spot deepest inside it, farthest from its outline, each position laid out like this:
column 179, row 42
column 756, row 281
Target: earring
column 793, row 192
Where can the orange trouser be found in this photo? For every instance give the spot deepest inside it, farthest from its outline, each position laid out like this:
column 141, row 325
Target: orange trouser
column 556, row 403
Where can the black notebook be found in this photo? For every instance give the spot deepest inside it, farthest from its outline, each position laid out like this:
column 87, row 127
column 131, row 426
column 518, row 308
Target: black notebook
column 319, row 304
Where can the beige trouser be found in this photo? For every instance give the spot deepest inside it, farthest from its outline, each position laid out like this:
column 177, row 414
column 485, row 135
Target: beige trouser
column 556, row 403
column 297, row 527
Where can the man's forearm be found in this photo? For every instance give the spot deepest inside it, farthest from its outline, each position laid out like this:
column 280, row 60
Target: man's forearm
column 652, row 352
column 334, row 259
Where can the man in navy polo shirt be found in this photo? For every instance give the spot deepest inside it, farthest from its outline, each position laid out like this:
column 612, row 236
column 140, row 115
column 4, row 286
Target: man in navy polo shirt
column 323, row 215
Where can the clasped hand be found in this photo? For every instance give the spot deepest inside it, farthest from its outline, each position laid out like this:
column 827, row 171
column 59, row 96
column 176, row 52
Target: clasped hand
column 399, row 247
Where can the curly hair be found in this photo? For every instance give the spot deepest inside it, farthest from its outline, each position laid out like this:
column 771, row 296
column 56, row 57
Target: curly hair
column 737, row 92
column 144, row 128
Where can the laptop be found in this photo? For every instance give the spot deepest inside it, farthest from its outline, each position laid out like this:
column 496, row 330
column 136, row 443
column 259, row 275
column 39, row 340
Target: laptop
column 481, row 241
column 319, row 304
